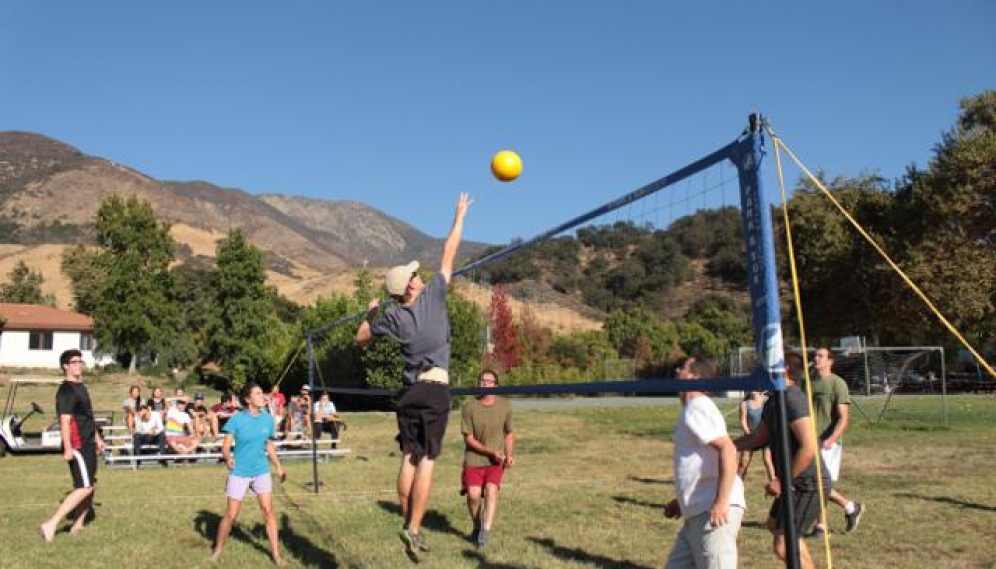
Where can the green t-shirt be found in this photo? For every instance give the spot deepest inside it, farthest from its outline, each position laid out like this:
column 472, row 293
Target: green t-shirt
column 828, row 393
column 488, row 424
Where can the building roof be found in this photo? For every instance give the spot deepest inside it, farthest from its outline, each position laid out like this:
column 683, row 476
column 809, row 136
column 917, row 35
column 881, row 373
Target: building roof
column 40, row 317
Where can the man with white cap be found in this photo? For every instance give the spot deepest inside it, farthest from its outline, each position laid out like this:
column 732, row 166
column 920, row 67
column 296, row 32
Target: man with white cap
column 420, row 324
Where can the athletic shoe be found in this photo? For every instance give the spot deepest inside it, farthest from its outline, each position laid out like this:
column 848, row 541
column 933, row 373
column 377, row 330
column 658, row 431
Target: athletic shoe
column 482, row 538
column 411, row 547
column 420, row 542
column 816, row 533
column 854, row 518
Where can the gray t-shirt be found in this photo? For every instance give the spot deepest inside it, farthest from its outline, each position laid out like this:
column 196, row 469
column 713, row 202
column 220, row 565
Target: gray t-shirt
column 422, row 329
column 796, row 406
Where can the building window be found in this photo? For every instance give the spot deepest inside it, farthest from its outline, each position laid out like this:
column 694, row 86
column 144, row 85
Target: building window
column 86, row 341
column 40, row 341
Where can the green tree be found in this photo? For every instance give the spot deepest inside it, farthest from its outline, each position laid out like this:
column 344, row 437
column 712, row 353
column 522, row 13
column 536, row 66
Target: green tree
column 246, row 338
column 720, row 316
column 193, row 296
column 625, row 328
column 949, row 225
column 132, row 312
column 467, row 324
column 82, row 266
column 844, row 285
column 25, row 287
column 533, row 337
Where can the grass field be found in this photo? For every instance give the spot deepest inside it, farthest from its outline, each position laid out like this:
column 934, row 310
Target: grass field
column 587, row 492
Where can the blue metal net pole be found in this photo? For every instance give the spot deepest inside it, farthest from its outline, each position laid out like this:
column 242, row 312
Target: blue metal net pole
column 765, row 311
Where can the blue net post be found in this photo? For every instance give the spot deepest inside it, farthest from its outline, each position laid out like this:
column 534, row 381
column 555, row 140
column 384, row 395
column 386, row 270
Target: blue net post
column 765, row 312
column 311, row 387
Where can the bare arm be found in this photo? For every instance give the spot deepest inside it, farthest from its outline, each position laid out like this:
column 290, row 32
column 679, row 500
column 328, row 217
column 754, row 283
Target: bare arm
column 727, row 473
column 452, row 243
column 803, row 431
column 509, row 449
column 769, row 464
column 67, row 441
column 271, row 451
column 753, row 440
column 226, row 451
column 838, row 431
column 363, row 334
column 744, row 428
column 478, row 447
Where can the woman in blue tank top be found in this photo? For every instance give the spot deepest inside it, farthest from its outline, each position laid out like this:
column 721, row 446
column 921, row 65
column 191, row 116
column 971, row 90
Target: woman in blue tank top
column 751, row 409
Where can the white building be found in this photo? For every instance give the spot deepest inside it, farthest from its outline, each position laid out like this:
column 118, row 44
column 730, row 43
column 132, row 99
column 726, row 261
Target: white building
column 34, row 335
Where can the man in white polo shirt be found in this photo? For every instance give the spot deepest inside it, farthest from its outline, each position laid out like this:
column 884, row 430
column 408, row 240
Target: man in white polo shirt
column 710, row 494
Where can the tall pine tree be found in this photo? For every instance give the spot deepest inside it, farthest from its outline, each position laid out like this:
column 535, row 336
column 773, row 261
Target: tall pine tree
column 245, row 337
column 132, row 313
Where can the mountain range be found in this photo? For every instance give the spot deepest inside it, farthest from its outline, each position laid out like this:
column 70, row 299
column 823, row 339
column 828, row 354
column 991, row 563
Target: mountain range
column 50, row 193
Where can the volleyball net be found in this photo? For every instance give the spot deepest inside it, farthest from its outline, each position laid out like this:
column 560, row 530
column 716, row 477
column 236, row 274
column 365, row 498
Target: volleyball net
column 605, row 301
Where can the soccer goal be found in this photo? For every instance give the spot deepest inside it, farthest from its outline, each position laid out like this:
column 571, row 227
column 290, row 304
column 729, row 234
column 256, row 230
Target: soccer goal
column 875, row 375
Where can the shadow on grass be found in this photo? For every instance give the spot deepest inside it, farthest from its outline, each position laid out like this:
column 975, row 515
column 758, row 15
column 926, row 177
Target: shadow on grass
column 206, row 523
column 432, row 520
column 754, row 525
column 582, row 556
column 482, row 561
column 294, row 544
column 635, row 502
column 947, row 500
column 651, row 480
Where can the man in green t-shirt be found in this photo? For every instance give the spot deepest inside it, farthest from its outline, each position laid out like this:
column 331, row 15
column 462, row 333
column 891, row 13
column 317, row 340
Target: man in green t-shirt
column 486, row 425
column 831, row 405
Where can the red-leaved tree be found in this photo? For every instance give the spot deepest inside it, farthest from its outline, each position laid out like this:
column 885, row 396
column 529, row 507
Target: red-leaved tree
column 504, row 340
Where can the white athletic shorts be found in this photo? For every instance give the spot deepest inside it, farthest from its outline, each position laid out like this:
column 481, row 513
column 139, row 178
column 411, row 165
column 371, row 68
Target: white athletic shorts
column 832, row 458
column 236, row 486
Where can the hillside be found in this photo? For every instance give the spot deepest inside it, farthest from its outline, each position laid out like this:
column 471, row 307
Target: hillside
column 50, row 192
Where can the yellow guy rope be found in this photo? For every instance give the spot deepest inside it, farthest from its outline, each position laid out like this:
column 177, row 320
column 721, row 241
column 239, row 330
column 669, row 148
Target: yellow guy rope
column 884, row 255
column 287, row 369
column 797, row 298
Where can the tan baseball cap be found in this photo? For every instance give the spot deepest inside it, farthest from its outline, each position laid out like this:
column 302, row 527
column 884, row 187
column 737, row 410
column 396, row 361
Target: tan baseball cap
column 397, row 278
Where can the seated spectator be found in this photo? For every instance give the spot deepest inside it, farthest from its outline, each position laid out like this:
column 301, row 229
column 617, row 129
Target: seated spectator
column 157, row 403
column 276, row 404
column 179, row 399
column 327, row 419
column 201, row 415
column 222, row 412
column 131, row 405
column 180, row 435
column 299, row 414
column 148, row 431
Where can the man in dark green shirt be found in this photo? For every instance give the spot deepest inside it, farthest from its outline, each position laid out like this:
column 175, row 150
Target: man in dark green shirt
column 831, row 407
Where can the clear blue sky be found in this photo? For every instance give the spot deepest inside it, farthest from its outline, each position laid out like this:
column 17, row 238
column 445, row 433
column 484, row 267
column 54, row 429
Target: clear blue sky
column 400, row 104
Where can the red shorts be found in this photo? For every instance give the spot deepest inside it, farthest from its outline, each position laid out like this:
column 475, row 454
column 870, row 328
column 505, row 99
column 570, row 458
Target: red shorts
column 478, row 476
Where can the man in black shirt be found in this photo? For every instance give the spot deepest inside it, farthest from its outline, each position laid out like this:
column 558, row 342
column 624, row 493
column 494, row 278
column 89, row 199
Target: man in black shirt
column 802, row 460
column 81, row 444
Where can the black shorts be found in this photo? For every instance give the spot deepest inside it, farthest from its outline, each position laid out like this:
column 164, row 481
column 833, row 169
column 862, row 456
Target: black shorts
column 806, row 499
column 83, row 467
column 423, row 412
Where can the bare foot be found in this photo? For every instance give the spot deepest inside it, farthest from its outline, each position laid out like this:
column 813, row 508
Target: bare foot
column 48, row 532
column 75, row 529
column 279, row 561
column 214, row 556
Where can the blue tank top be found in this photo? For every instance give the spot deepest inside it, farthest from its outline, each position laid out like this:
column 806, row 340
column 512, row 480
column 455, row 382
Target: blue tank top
column 754, row 415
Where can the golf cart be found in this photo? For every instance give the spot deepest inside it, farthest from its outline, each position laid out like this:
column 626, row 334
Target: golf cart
column 12, row 438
